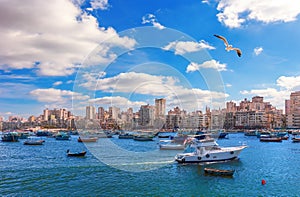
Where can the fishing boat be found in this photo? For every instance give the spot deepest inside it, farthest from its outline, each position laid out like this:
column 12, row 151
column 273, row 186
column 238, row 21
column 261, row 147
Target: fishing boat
column 10, row 137
column 33, row 142
column 76, row 154
column 207, row 150
column 62, row 136
column 296, row 139
column 126, row 136
column 218, row 172
column 270, row 139
column 87, row 139
column 170, row 145
column 143, row 137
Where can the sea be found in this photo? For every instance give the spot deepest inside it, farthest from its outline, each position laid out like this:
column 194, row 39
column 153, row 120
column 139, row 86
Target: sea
column 125, row 167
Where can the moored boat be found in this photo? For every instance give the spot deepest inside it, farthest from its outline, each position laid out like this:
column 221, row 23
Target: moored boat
column 143, row 137
column 10, row 137
column 87, row 139
column 76, row 154
column 270, row 139
column 170, row 145
column 296, row 139
column 34, row 142
column 62, row 136
column 207, row 150
column 218, row 172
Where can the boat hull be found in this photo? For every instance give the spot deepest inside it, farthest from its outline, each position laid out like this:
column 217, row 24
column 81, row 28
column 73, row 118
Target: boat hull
column 218, row 172
column 223, row 154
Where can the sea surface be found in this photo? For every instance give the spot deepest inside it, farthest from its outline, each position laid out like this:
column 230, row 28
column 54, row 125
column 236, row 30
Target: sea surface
column 124, row 167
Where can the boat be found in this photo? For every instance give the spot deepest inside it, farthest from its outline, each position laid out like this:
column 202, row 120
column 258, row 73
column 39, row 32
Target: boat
column 62, row 136
column 10, row 137
column 207, row 150
column 170, row 145
column 87, row 139
column 218, row 172
column 251, row 133
column 143, row 137
column 33, row 142
column 76, row 154
column 270, row 139
column 296, row 139
column 126, row 136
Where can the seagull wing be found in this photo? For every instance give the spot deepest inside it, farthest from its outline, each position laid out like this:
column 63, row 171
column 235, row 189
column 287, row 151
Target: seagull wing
column 222, row 38
column 238, row 51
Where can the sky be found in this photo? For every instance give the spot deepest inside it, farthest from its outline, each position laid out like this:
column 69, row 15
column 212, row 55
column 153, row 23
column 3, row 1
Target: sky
column 125, row 53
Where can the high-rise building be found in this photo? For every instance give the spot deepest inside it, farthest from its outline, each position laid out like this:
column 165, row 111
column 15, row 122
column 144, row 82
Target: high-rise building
column 46, row 114
column 293, row 110
column 90, row 112
column 160, row 108
column 146, row 115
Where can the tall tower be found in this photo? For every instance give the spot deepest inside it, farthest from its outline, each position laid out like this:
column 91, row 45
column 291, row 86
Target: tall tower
column 160, row 107
column 90, row 112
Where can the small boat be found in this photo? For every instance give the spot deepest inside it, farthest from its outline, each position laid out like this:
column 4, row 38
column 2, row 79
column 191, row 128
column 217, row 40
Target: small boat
column 170, row 145
column 76, row 154
column 62, row 136
column 296, row 139
column 143, row 137
column 126, row 136
column 34, row 142
column 218, row 172
column 207, row 150
column 87, row 139
column 271, row 139
column 10, row 137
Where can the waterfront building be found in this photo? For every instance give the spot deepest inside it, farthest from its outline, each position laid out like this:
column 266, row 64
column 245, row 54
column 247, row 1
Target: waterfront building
column 160, row 108
column 146, row 113
column 90, row 112
column 293, row 110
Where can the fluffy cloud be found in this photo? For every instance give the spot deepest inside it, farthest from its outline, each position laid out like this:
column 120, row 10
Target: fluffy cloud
column 117, row 101
column 168, row 87
column 57, row 83
column 208, row 64
column 234, row 13
column 151, row 19
column 182, row 47
column 99, row 4
column 52, row 95
column 289, row 83
column 32, row 37
column 258, row 50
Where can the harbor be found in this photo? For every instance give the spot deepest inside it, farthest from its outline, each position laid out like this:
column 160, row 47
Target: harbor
column 47, row 169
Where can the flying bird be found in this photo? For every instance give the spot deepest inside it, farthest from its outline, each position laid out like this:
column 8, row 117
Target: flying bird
column 229, row 47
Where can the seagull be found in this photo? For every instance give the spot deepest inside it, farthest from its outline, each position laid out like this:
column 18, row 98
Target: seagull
column 229, row 47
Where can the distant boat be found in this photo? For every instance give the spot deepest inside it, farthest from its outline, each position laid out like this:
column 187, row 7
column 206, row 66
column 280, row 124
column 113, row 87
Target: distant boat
column 76, row 154
column 10, row 137
column 296, row 139
column 34, row 142
column 218, row 172
column 271, row 139
column 143, row 137
column 87, row 139
column 126, row 136
column 62, row 136
column 170, row 145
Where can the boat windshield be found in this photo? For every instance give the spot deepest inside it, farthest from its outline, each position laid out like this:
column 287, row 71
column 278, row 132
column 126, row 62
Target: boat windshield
column 189, row 149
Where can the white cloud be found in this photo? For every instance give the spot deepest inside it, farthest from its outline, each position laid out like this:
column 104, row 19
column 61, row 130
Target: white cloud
column 99, row 4
column 57, row 83
column 234, row 13
column 52, row 37
column 151, row 19
column 168, row 87
column 52, row 95
column 117, row 101
column 289, row 83
column 182, row 47
column 258, row 50
column 208, row 64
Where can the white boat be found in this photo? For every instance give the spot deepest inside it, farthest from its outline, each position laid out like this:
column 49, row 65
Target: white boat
column 208, row 150
column 170, row 145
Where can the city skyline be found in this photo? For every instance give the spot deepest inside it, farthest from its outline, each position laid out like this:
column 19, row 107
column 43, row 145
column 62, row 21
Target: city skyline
column 107, row 52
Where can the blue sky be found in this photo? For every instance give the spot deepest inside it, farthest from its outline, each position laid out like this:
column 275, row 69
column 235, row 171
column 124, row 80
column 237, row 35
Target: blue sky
column 69, row 54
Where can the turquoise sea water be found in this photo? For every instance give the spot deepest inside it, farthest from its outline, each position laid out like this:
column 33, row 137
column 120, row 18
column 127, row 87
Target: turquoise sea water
column 47, row 171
